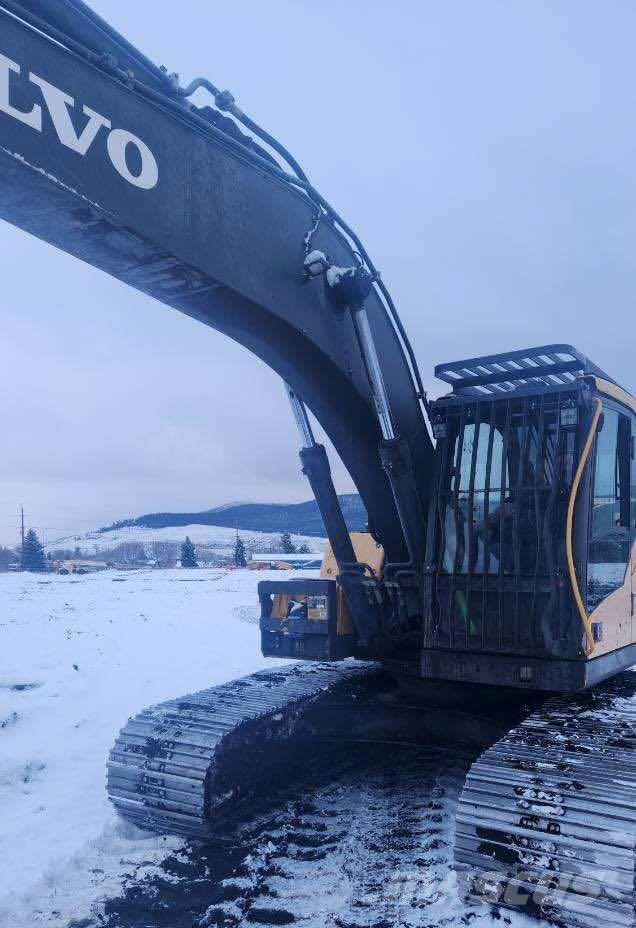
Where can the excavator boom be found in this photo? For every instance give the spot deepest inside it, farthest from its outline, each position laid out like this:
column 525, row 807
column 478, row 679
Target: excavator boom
column 117, row 169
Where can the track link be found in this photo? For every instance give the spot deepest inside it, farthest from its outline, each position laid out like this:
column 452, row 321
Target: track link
column 177, row 764
column 547, row 817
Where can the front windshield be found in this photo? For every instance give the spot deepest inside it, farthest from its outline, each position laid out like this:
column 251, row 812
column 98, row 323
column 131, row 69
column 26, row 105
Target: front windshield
column 503, row 465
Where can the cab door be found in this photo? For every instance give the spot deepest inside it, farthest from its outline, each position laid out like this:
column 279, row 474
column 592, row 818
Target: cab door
column 632, row 451
column 610, row 600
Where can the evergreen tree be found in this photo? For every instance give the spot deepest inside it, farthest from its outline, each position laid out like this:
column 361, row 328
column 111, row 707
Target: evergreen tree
column 239, row 552
column 33, row 552
column 304, row 549
column 188, row 554
column 286, row 544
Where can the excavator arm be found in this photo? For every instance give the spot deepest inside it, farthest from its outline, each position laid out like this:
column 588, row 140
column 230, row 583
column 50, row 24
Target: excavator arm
column 103, row 156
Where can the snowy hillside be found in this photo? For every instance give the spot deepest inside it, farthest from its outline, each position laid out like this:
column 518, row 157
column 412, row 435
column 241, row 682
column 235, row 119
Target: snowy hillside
column 299, row 518
column 218, row 538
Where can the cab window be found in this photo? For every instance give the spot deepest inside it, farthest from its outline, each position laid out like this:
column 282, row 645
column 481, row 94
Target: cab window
column 609, row 549
column 633, row 506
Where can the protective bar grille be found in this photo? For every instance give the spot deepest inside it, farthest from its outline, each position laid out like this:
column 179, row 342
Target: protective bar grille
column 492, row 375
column 498, row 522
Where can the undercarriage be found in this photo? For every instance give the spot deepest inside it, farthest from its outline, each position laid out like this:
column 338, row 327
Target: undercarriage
column 545, row 821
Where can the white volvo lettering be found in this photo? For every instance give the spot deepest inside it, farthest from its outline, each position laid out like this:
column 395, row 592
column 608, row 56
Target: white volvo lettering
column 144, row 173
column 58, row 103
column 34, row 117
column 118, row 142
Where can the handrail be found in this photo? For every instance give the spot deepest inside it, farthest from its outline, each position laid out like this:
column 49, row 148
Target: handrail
column 587, row 625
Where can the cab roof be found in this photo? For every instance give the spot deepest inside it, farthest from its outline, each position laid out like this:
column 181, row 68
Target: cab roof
column 544, row 367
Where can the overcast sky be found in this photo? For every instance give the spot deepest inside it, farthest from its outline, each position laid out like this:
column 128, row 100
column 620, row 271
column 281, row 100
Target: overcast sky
column 486, row 153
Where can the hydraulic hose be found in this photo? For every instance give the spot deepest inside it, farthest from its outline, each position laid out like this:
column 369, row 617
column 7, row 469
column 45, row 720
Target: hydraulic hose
column 100, row 25
column 226, row 103
column 569, row 530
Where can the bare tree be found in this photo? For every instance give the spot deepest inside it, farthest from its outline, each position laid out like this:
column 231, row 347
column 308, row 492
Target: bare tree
column 165, row 553
column 128, row 552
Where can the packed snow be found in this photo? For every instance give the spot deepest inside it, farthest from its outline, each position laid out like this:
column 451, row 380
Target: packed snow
column 82, row 654
column 79, row 655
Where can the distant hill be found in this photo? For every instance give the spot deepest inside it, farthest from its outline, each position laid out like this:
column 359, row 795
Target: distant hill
column 298, row 518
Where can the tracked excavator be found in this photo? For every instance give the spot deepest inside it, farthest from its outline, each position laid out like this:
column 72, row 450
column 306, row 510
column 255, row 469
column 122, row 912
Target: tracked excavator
column 499, row 554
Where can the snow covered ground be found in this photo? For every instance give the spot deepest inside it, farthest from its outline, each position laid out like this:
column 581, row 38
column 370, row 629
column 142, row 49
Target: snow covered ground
column 215, row 536
column 78, row 656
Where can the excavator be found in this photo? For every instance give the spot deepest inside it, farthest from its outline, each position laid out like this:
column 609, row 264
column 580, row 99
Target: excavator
column 499, row 553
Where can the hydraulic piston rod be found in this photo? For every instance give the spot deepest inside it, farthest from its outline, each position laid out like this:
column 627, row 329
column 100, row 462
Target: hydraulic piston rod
column 302, row 419
column 374, row 372
column 315, row 465
column 394, row 451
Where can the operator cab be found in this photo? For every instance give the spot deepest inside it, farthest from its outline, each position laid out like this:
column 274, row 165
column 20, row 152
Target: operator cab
column 532, row 522
column 528, row 576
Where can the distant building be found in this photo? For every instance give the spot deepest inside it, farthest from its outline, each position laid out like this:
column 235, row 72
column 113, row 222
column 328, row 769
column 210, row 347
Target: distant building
column 285, row 562
column 260, row 564
column 81, row 567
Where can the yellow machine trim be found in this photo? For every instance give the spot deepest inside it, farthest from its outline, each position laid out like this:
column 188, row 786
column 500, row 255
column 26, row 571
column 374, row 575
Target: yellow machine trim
column 344, row 625
column 614, row 612
column 585, row 619
column 280, row 606
column 611, row 610
column 366, row 549
column 616, row 392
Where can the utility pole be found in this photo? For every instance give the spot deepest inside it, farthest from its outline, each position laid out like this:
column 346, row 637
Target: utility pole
column 22, row 536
